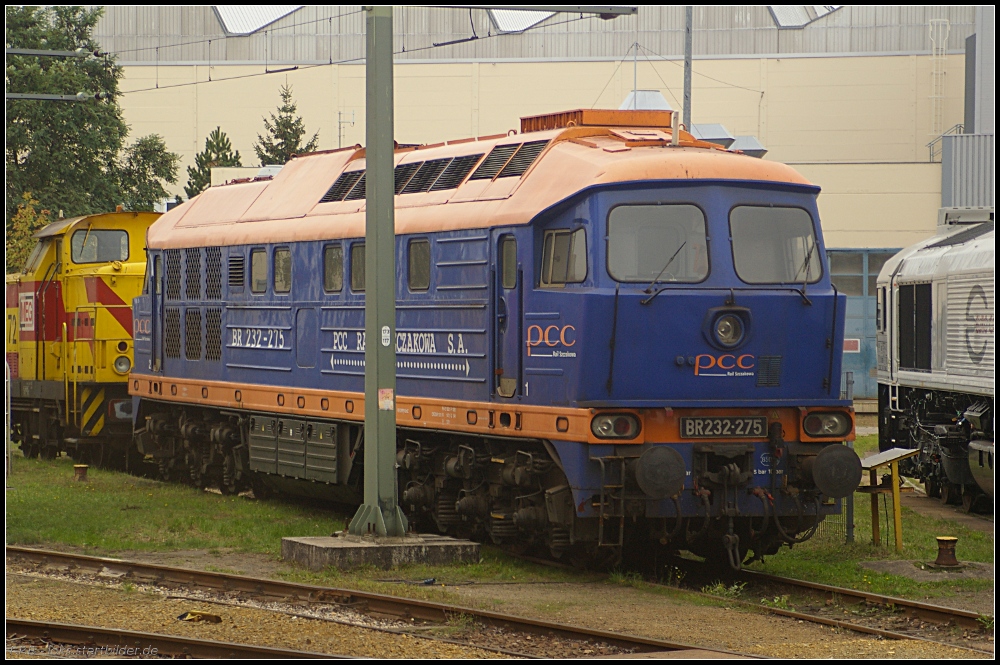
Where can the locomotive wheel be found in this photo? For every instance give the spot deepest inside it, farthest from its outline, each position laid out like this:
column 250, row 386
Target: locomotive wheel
column 950, row 494
column 933, row 489
column 49, row 452
column 227, row 479
column 31, row 451
column 968, row 499
column 260, row 490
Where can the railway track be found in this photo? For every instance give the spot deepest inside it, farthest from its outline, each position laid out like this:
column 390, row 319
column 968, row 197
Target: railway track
column 108, row 642
column 924, row 611
column 378, row 605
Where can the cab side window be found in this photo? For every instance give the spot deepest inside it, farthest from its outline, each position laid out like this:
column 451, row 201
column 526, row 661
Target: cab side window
column 564, row 257
column 282, row 270
column 258, row 271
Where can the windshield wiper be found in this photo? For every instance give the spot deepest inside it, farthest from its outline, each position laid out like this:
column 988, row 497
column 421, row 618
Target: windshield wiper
column 649, row 289
column 805, row 268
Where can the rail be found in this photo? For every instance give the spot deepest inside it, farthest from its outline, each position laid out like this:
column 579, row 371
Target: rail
column 371, row 603
column 107, row 642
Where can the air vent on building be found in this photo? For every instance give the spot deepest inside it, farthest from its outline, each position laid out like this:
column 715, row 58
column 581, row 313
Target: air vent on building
column 342, row 186
column 403, row 173
column 456, row 172
column 213, row 273
column 769, row 371
column 426, row 175
column 192, row 333
column 173, row 274
column 213, row 333
column 236, row 270
column 494, row 161
column 522, row 159
column 358, row 191
column 172, row 332
column 192, row 273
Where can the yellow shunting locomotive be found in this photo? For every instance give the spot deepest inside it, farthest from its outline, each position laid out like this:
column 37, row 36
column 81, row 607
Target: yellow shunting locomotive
column 69, row 337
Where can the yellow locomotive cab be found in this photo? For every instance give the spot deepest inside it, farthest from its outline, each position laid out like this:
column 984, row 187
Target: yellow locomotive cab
column 69, row 336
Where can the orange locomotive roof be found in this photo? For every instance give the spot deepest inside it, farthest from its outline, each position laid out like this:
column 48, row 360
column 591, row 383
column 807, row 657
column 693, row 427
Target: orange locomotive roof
column 287, row 208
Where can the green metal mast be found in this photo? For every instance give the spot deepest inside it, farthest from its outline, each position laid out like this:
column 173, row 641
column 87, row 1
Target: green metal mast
column 380, row 514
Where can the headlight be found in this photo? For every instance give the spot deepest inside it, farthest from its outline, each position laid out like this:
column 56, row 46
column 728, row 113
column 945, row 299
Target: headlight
column 122, row 364
column 728, row 330
column 615, row 426
column 827, row 424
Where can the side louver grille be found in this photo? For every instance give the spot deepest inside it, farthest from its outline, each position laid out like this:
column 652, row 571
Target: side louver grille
column 456, row 172
column 426, row 175
column 237, row 268
column 769, row 371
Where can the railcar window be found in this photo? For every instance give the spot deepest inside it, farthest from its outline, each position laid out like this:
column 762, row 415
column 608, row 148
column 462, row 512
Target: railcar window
column 508, row 262
column 564, row 257
column 36, row 255
column 282, row 270
column 847, row 272
column 158, row 274
column 99, row 245
column 666, row 243
column 774, row 245
column 258, row 271
column 420, row 265
column 358, row 267
column 333, row 268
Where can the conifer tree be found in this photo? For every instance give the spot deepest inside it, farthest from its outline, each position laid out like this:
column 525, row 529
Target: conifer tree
column 218, row 152
column 284, row 134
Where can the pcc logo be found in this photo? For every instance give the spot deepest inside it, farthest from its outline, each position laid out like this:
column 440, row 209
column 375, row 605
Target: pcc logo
column 727, row 364
column 555, row 339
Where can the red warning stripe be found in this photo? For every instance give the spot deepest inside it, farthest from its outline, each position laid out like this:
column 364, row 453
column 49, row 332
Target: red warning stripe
column 98, row 292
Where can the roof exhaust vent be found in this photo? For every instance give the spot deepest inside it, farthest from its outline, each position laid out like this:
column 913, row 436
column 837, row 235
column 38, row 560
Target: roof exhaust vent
column 645, row 100
column 749, row 145
column 713, row 133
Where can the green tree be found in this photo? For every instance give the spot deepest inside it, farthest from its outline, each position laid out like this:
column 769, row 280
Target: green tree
column 72, row 156
column 28, row 219
column 218, row 152
column 284, row 134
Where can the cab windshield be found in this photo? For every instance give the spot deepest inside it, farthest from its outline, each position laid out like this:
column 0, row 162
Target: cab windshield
column 661, row 243
column 774, row 245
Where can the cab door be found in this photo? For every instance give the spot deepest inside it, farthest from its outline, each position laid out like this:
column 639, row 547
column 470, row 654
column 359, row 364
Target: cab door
column 507, row 308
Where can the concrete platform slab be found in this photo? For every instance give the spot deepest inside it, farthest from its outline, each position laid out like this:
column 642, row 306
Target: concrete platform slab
column 347, row 551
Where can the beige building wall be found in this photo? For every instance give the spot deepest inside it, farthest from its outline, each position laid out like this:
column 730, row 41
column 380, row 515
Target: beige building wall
column 876, row 205
column 813, row 111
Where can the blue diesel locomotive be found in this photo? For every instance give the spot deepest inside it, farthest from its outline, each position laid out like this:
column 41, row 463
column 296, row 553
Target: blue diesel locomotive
column 610, row 335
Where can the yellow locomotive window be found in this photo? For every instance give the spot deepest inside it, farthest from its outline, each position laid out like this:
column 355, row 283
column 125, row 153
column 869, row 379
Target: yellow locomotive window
column 282, row 270
column 258, row 271
column 99, row 245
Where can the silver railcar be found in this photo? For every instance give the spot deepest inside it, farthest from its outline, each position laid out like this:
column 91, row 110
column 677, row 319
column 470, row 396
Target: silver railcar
column 935, row 344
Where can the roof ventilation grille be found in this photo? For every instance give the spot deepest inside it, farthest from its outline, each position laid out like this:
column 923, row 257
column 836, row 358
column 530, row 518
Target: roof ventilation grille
column 403, row 173
column 456, row 172
column 522, row 159
column 494, row 161
column 358, row 192
column 426, row 175
column 342, row 186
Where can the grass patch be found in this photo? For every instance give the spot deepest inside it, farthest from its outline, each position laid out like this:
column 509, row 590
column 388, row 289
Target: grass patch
column 116, row 512
column 826, row 558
